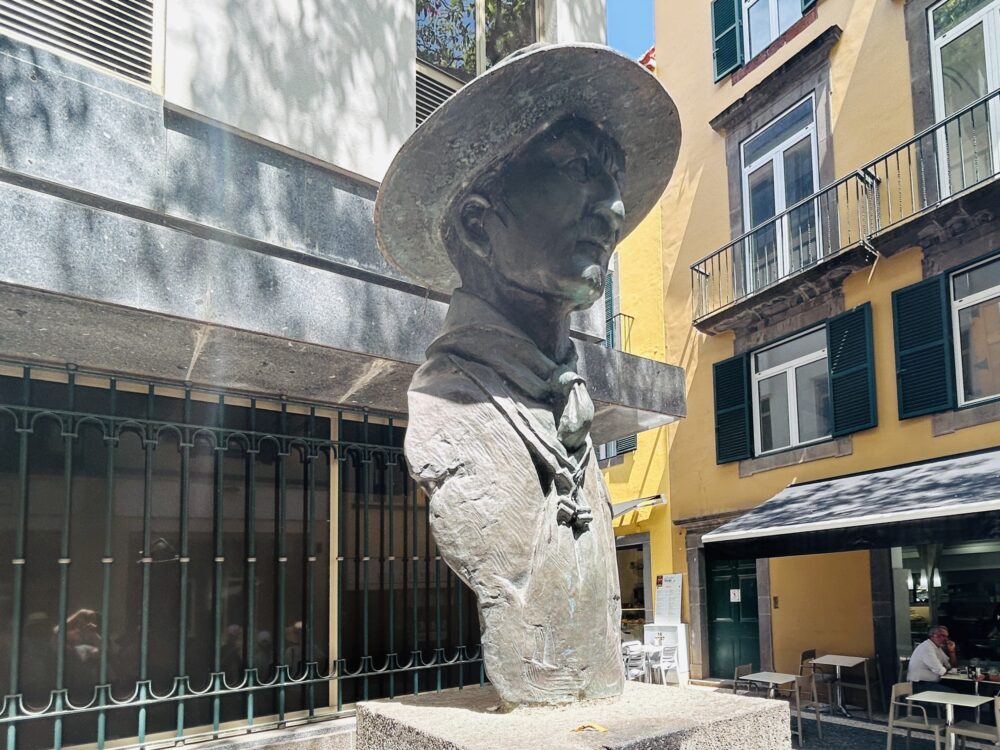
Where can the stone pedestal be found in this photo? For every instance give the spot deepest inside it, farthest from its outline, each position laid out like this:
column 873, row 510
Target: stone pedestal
column 647, row 717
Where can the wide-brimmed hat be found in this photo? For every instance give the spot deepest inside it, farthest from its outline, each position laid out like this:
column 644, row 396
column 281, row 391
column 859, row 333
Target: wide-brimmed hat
column 500, row 111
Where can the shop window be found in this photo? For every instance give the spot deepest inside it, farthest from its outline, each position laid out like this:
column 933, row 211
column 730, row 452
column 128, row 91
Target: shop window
column 742, row 29
column 965, row 65
column 779, row 170
column 947, row 336
column 955, row 585
column 813, row 386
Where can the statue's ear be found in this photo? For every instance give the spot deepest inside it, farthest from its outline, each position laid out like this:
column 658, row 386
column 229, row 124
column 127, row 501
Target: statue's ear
column 472, row 225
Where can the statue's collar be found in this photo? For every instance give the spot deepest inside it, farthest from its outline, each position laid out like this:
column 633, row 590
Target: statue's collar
column 477, row 331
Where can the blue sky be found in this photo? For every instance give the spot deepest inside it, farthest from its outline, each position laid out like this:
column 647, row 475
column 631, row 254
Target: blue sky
column 630, row 26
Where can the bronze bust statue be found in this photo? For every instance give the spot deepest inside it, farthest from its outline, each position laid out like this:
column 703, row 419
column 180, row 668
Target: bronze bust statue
column 514, row 194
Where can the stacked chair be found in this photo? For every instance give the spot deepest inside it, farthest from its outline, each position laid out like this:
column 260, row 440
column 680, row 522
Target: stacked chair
column 635, row 660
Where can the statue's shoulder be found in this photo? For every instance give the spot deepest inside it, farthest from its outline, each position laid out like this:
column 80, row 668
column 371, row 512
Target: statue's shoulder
column 452, row 411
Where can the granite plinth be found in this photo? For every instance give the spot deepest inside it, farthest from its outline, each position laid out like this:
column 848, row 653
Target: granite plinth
column 646, row 717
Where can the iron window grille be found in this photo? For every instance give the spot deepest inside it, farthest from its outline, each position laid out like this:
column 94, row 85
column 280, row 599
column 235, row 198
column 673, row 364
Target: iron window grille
column 185, row 563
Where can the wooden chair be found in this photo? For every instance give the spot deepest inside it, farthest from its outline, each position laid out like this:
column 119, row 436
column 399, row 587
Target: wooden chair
column 963, row 730
column 908, row 720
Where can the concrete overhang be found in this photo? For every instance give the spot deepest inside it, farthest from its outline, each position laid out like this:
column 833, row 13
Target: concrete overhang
column 630, row 393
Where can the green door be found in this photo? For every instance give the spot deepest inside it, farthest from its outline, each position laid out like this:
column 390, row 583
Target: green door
column 733, row 630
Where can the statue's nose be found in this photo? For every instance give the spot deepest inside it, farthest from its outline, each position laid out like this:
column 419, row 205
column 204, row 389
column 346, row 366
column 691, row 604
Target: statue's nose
column 613, row 212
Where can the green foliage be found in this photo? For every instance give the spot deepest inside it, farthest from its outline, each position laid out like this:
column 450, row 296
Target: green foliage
column 446, row 32
column 446, row 35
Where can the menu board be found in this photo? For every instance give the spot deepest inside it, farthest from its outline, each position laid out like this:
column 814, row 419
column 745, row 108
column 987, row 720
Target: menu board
column 668, row 599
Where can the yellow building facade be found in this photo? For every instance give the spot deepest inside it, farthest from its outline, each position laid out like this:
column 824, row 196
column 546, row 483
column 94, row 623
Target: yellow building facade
column 825, row 267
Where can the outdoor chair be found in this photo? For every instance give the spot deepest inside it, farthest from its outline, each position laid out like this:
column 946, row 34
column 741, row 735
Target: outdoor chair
column 825, row 679
column 741, row 686
column 661, row 661
column 904, row 668
column 861, row 682
column 908, row 720
column 803, row 695
column 634, row 658
column 963, row 730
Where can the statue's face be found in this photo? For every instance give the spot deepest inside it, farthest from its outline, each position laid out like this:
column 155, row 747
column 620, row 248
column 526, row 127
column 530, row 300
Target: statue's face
column 557, row 214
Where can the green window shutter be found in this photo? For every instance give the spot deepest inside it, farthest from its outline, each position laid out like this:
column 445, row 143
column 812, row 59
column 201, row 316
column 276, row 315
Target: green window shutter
column 851, row 358
column 609, row 310
column 807, row 4
column 731, row 382
column 727, row 36
column 925, row 367
column 625, row 444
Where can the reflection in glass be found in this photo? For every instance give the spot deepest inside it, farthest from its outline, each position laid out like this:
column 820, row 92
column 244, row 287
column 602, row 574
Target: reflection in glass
column 978, row 279
column 801, row 222
column 772, row 407
column 809, row 343
column 775, row 134
column 759, row 20
column 763, row 243
column 950, row 14
column 968, row 138
column 789, row 11
column 812, row 394
column 446, row 35
column 979, row 336
column 510, row 25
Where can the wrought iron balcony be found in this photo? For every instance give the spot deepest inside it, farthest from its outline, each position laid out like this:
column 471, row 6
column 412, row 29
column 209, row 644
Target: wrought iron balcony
column 942, row 163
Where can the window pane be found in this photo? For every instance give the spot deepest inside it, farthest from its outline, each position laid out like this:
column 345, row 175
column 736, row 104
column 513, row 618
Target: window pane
column 977, row 279
column 812, row 393
column 446, row 35
column 759, row 20
column 510, row 25
column 952, row 13
column 789, row 11
column 781, row 129
column 761, row 187
column 967, row 139
column 772, row 410
column 979, row 334
column 801, row 223
column 798, row 347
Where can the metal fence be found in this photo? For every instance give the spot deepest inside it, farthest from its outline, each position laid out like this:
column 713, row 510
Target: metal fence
column 944, row 161
column 181, row 563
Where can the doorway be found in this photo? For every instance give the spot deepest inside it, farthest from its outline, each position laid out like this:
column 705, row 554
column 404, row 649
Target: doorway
column 733, row 622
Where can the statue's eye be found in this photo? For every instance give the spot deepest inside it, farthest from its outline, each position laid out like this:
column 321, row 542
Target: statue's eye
column 578, row 168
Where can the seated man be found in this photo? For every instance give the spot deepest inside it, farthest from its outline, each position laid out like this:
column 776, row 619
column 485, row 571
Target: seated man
column 931, row 660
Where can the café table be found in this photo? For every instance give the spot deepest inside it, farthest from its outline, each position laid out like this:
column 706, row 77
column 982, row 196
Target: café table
column 838, row 662
column 949, row 701
column 960, row 678
column 771, row 679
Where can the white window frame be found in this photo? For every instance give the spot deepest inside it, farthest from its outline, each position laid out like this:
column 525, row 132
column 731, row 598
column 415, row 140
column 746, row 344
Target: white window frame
column 773, row 15
column 778, row 169
column 790, row 384
column 989, row 16
column 957, row 305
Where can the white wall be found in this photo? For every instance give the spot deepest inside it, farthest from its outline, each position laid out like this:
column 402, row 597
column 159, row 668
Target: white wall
column 331, row 78
column 575, row 21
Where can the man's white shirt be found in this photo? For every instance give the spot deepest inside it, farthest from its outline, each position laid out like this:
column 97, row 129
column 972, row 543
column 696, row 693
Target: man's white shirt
column 928, row 663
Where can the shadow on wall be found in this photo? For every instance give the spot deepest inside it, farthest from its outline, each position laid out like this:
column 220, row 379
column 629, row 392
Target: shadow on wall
column 332, row 79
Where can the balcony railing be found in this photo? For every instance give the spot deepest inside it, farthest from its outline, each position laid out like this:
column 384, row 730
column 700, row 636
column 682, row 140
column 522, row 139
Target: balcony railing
column 944, row 161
